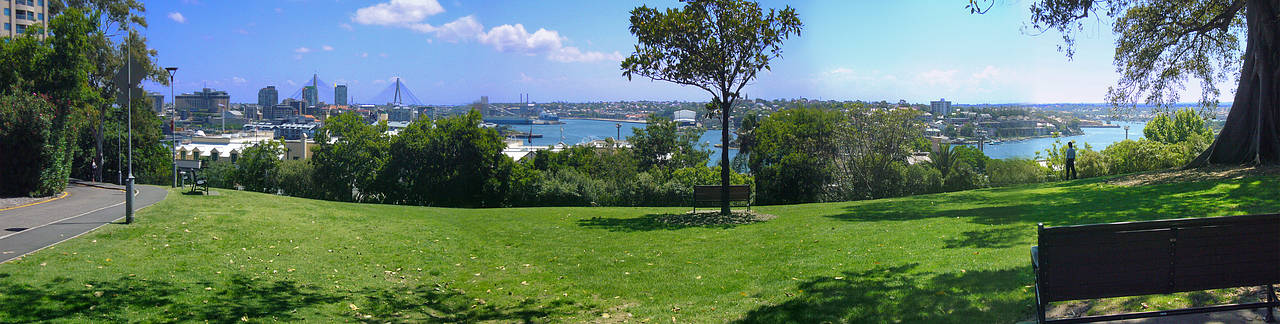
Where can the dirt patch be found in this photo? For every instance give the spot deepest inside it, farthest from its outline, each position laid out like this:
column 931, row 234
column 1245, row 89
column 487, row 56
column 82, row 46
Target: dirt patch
column 1111, row 306
column 713, row 217
column 1193, row 175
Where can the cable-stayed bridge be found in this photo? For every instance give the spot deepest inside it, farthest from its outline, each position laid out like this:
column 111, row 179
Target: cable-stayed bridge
column 396, row 93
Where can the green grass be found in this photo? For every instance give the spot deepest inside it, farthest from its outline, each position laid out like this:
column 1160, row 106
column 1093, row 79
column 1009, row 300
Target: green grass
column 957, row 257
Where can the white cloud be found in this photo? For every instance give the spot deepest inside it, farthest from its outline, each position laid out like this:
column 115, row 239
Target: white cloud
column 177, row 16
column 988, row 73
column 302, row 50
column 937, row 77
column 279, row 10
column 364, row 55
column 345, row 26
column 461, row 29
column 242, row 31
column 397, row 12
column 238, row 80
column 411, row 14
column 326, row 48
column 290, row 82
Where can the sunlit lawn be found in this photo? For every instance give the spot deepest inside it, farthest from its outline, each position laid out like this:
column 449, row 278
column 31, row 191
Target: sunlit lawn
column 959, row 257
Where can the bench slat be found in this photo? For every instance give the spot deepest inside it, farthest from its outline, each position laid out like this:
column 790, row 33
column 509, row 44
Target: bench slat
column 1156, row 257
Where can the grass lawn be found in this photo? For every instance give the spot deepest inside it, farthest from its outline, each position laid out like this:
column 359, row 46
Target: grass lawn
column 958, row 257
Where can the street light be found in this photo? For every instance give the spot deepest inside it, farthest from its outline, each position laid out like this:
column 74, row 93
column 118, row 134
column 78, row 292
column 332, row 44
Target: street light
column 173, row 135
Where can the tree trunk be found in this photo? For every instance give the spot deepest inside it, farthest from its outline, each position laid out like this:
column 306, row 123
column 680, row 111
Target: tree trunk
column 1251, row 134
column 724, row 156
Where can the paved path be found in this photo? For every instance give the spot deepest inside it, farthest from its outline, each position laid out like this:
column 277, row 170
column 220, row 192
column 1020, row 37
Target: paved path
column 86, row 207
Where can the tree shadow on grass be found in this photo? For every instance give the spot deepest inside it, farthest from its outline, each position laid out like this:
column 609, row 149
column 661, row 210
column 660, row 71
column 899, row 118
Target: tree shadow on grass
column 901, row 294
column 994, row 238
column 117, row 300
column 650, row 222
column 441, row 303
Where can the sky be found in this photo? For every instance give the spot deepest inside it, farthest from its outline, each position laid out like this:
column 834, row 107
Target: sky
column 452, row 52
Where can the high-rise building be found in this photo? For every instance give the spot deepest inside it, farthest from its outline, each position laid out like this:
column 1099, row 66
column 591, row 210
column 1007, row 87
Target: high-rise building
column 22, row 14
column 205, row 101
column 157, row 102
column 940, row 108
column 340, row 95
column 311, row 95
column 268, row 97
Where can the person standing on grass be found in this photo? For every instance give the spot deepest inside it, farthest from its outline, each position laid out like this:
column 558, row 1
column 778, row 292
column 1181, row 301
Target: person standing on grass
column 1071, row 161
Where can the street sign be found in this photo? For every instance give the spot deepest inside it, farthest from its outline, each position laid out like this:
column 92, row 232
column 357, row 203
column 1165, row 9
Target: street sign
column 126, row 78
column 122, row 97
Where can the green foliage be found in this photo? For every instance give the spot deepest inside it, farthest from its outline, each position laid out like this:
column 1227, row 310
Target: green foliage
column 872, row 147
column 294, row 178
column 1143, row 155
column 258, row 167
column 218, row 175
column 454, row 162
column 56, row 68
column 30, row 147
column 1185, row 125
column 791, row 155
column 718, row 46
column 664, row 145
column 1008, row 172
column 349, row 157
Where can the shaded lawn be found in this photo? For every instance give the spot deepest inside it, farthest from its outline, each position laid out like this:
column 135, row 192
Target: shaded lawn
column 956, row 257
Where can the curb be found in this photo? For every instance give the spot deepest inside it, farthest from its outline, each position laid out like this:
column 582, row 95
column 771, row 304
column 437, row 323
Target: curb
column 64, row 195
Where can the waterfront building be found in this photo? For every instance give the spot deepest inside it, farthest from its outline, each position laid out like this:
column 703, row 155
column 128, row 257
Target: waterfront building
column 940, row 108
column 340, row 95
column 22, row 14
column 207, row 101
column 686, row 117
column 268, row 97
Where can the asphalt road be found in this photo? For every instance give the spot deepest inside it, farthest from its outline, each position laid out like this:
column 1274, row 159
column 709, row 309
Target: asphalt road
column 87, row 206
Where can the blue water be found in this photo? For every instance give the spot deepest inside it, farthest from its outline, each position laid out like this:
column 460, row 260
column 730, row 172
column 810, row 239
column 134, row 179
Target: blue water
column 577, row 131
column 1098, row 138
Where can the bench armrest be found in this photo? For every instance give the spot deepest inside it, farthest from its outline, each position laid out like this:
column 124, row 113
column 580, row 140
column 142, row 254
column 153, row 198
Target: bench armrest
column 1035, row 256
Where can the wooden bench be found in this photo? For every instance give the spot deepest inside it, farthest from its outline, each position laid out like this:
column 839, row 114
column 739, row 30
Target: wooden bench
column 712, row 194
column 1157, row 257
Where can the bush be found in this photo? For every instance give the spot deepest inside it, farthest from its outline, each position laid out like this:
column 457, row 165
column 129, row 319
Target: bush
column 35, row 149
column 1007, row 172
column 294, row 178
column 218, row 174
column 1143, row 155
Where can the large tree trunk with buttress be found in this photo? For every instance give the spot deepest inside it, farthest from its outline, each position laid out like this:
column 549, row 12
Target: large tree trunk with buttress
column 724, row 156
column 1251, row 134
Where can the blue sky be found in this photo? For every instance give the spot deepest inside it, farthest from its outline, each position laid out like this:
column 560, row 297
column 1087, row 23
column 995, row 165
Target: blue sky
column 453, row 52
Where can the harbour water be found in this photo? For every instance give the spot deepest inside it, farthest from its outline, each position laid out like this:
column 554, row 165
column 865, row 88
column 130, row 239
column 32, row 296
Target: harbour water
column 577, row 131
column 1098, row 138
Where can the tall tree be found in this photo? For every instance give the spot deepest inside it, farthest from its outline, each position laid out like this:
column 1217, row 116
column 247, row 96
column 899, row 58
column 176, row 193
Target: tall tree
column 716, row 45
column 1163, row 43
column 349, row 157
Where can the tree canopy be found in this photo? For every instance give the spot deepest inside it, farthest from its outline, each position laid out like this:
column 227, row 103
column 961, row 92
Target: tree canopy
column 715, row 45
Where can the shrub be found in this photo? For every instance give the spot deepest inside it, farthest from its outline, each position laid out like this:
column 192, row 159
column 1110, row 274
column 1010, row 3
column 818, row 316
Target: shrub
column 35, row 149
column 1006, row 172
column 1143, row 155
column 294, row 178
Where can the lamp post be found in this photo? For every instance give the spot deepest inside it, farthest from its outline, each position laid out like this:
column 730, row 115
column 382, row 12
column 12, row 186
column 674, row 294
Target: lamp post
column 128, row 185
column 173, row 135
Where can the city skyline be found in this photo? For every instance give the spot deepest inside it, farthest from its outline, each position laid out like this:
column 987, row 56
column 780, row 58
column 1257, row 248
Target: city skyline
column 450, row 52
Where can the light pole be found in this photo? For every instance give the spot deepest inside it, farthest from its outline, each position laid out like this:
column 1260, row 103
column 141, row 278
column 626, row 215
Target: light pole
column 128, row 185
column 173, row 135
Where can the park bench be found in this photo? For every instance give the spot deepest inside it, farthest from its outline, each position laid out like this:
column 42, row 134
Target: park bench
column 1157, row 257
column 712, row 194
